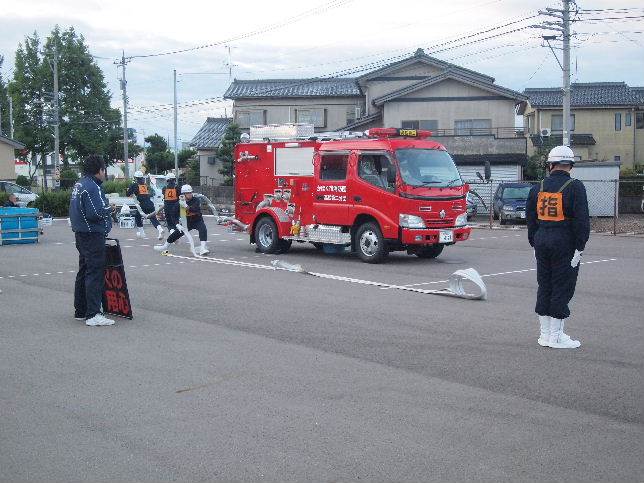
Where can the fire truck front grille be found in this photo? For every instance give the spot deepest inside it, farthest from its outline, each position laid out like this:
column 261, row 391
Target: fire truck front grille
column 440, row 223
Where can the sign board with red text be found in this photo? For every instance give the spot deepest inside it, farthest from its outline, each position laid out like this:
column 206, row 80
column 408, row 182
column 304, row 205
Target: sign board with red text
column 116, row 298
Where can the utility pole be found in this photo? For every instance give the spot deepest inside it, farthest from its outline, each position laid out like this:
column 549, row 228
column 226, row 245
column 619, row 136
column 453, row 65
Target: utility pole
column 563, row 28
column 566, row 73
column 10, row 117
column 176, row 154
column 126, row 169
column 56, row 121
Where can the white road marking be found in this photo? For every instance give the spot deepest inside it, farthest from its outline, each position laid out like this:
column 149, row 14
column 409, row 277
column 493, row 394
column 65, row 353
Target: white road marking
column 240, row 239
column 36, row 274
column 222, row 239
column 58, row 243
column 47, row 273
column 127, row 246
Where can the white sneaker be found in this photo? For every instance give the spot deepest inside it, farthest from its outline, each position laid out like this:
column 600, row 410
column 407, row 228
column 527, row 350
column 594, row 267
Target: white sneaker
column 160, row 230
column 161, row 248
column 141, row 234
column 203, row 250
column 99, row 320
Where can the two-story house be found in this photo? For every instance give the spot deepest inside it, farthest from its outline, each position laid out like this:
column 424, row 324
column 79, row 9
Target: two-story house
column 207, row 142
column 470, row 114
column 606, row 121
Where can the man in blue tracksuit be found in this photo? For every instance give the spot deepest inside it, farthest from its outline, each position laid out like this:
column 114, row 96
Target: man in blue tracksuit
column 142, row 192
column 89, row 214
column 558, row 229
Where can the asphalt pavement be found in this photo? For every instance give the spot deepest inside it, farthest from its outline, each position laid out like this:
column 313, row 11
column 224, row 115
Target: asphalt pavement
column 233, row 371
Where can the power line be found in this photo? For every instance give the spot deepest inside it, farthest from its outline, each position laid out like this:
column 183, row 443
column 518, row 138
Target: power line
column 269, row 28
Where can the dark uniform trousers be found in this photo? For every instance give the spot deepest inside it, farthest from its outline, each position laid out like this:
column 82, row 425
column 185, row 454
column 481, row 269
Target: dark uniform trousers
column 148, row 207
column 554, row 247
column 197, row 224
column 90, row 280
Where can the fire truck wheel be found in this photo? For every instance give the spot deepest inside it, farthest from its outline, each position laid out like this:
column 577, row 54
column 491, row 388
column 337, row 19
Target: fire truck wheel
column 266, row 236
column 430, row 252
column 284, row 246
column 370, row 243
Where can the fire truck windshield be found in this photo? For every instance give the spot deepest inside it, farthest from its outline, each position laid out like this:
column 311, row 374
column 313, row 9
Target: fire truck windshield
column 427, row 167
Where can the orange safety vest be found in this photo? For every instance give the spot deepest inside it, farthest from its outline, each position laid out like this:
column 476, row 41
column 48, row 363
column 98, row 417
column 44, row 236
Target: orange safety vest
column 143, row 189
column 550, row 205
column 170, row 194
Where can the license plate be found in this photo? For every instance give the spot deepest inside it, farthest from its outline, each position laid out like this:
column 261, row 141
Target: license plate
column 445, row 236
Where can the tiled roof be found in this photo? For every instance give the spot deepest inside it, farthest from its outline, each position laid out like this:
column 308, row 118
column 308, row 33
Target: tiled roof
column 585, row 95
column 332, row 87
column 639, row 91
column 211, row 133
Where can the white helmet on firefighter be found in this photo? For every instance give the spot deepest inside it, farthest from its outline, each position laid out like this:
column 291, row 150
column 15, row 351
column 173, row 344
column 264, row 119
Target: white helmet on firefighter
column 561, row 155
column 186, row 188
column 138, row 174
column 171, row 176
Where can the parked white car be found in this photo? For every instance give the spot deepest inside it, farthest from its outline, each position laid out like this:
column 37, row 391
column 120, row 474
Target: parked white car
column 23, row 194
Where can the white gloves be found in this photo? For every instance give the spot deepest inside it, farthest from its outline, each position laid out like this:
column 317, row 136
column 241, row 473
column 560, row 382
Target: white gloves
column 183, row 204
column 179, row 227
column 576, row 258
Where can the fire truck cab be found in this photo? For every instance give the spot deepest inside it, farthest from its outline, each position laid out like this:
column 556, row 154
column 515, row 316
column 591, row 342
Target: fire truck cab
column 390, row 190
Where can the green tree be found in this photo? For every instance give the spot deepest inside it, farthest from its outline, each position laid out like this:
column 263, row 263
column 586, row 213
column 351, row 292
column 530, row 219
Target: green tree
column 536, row 166
column 157, row 156
column 184, row 156
column 4, row 103
column 193, row 172
column 232, row 135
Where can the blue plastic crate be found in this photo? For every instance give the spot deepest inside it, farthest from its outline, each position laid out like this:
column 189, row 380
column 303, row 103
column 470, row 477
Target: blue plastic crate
column 18, row 226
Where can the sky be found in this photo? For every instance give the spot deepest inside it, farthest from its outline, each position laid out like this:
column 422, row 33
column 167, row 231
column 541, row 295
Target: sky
column 297, row 39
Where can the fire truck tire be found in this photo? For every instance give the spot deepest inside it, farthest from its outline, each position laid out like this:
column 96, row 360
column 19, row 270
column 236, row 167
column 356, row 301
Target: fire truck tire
column 429, row 252
column 284, row 246
column 370, row 244
column 266, row 236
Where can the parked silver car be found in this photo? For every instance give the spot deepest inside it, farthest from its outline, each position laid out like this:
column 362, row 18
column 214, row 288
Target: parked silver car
column 23, row 194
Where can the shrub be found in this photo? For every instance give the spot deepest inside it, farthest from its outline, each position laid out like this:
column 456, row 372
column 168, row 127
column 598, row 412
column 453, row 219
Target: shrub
column 23, row 181
column 54, row 202
column 68, row 178
column 115, row 187
column 4, row 197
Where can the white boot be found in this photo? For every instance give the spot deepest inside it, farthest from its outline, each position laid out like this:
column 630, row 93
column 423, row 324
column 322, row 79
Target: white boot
column 160, row 230
column 140, row 233
column 99, row 319
column 162, row 248
column 544, row 336
column 203, row 250
column 559, row 340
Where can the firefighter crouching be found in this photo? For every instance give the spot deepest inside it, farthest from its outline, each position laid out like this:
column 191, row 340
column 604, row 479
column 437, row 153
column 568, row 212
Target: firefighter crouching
column 558, row 229
column 142, row 193
column 171, row 203
column 192, row 205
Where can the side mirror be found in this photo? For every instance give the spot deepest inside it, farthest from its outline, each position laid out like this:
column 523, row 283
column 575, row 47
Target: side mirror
column 479, row 176
column 488, row 171
column 391, row 175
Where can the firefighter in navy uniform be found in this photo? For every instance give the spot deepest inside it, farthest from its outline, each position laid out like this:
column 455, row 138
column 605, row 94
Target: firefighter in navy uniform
column 142, row 193
column 171, row 194
column 192, row 205
column 558, row 229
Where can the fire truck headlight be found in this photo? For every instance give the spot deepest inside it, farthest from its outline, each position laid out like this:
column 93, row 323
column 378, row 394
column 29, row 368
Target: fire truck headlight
column 411, row 221
column 461, row 220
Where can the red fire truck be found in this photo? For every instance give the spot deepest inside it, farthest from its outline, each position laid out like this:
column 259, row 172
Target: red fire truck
column 393, row 190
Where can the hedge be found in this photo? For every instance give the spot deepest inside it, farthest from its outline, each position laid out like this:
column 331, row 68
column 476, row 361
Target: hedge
column 115, row 187
column 4, row 197
column 55, row 203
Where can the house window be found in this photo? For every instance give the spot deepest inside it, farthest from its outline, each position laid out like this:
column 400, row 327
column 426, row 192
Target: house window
column 317, row 117
column 246, row 119
column 628, row 119
column 212, row 160
column 618, row 121
column 639, row 120
column 353, row 113
column 617, row 158
column 333, row 167
column 556, row 122
column 472, row 127
column 427, row 124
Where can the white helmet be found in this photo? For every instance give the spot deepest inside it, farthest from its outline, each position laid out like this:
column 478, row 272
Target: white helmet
column 171, row 176
column 138, row 174
column 561, row 155
column 186, row 188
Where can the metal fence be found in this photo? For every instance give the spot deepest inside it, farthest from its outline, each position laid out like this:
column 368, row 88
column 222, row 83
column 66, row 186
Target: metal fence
column 219, row 195
column 615, row 206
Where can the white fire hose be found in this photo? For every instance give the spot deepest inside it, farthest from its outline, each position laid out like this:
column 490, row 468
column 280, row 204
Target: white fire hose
column 455, row 289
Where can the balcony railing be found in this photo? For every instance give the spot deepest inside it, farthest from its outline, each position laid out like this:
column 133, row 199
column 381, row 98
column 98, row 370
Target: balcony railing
column 497, row 132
